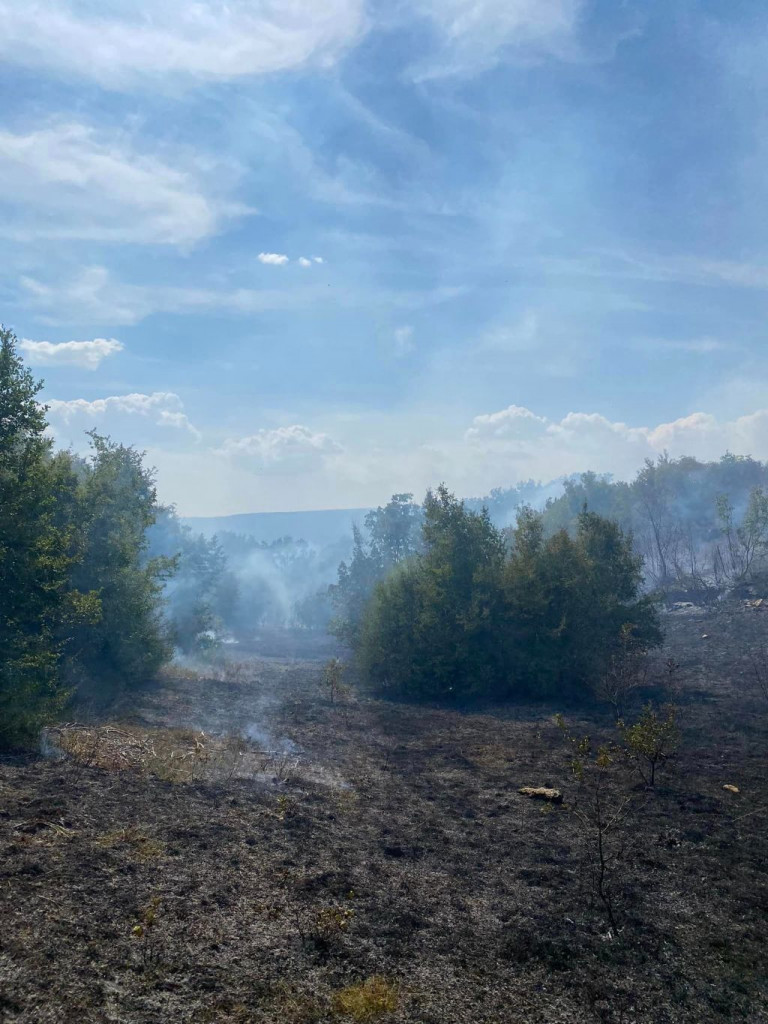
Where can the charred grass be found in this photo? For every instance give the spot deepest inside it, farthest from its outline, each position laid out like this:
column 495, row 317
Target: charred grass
column 240, row 848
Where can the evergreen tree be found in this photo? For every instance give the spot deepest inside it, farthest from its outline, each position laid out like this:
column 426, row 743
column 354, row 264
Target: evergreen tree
column 35, row 557
column 116, row 506
column 202, row 595
column 430, row 629
column 571, row 602
column 394, row 535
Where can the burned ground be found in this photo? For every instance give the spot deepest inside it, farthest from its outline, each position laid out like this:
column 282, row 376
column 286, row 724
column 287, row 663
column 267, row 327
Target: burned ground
column 237, row 847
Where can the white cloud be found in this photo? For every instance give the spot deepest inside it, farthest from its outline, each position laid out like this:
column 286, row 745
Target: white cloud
column 544, row 448
column 163, row 408
column 274, row 259
column 282, row 450
column 318, row 259
column 403, row 340
column 69, row 181
column 304, row 262
column 475, row 34
column 88, row 355
column 118, row 42
column 514, row 423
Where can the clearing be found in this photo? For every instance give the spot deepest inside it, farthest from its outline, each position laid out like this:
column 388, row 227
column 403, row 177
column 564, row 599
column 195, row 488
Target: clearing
column 236, row 847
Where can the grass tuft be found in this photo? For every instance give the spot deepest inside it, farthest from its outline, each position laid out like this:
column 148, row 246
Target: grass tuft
column 368, row 1000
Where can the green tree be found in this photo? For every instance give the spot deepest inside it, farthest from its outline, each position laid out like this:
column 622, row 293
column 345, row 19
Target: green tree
column 116, row 505
column 202, row 594
column 35, row 557
column 573, row 602
column 429, row 630
column 744, row 546
column 393, row 536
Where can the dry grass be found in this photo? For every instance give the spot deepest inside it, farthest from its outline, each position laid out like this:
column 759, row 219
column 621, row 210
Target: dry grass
column 43, row 833
column 172, row 755
column 143, row 846
column 369, row 1000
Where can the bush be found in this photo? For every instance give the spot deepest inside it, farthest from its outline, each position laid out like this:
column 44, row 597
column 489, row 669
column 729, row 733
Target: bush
column 115, row 504
column 467, row 619
column 601, row 817
column 36, row 557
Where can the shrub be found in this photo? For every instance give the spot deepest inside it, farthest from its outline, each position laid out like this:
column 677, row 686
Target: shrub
column 625, row 672
column 333, row 675
column 651, row 741
column 600, row 815
column 466, row 619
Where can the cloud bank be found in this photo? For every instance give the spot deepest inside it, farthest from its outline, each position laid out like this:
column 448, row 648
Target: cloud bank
column 546, row 448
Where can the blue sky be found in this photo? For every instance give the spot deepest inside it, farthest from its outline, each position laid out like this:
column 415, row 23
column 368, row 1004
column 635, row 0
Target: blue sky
column 310, row 254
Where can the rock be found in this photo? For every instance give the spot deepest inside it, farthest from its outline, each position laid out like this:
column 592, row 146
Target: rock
column 542, row 793
column 731, row 789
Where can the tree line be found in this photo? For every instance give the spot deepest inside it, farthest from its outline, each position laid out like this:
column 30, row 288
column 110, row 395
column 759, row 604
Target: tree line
column 701, row 527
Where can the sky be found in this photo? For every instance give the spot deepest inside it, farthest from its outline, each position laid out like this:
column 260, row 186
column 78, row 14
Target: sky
column 306, row 255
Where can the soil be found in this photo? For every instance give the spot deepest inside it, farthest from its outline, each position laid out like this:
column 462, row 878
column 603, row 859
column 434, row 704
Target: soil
column 235, row 846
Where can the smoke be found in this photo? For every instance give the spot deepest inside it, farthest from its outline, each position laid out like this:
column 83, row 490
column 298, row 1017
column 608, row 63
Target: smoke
column 233, row 585
column 49, row 746
column 256, row 733
column 503, row 504
column 283, row 583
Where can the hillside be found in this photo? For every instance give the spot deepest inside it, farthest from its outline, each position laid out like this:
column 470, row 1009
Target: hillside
column 322, row 527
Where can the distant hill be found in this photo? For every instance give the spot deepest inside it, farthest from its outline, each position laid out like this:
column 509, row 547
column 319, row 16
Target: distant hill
column 325, row 526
